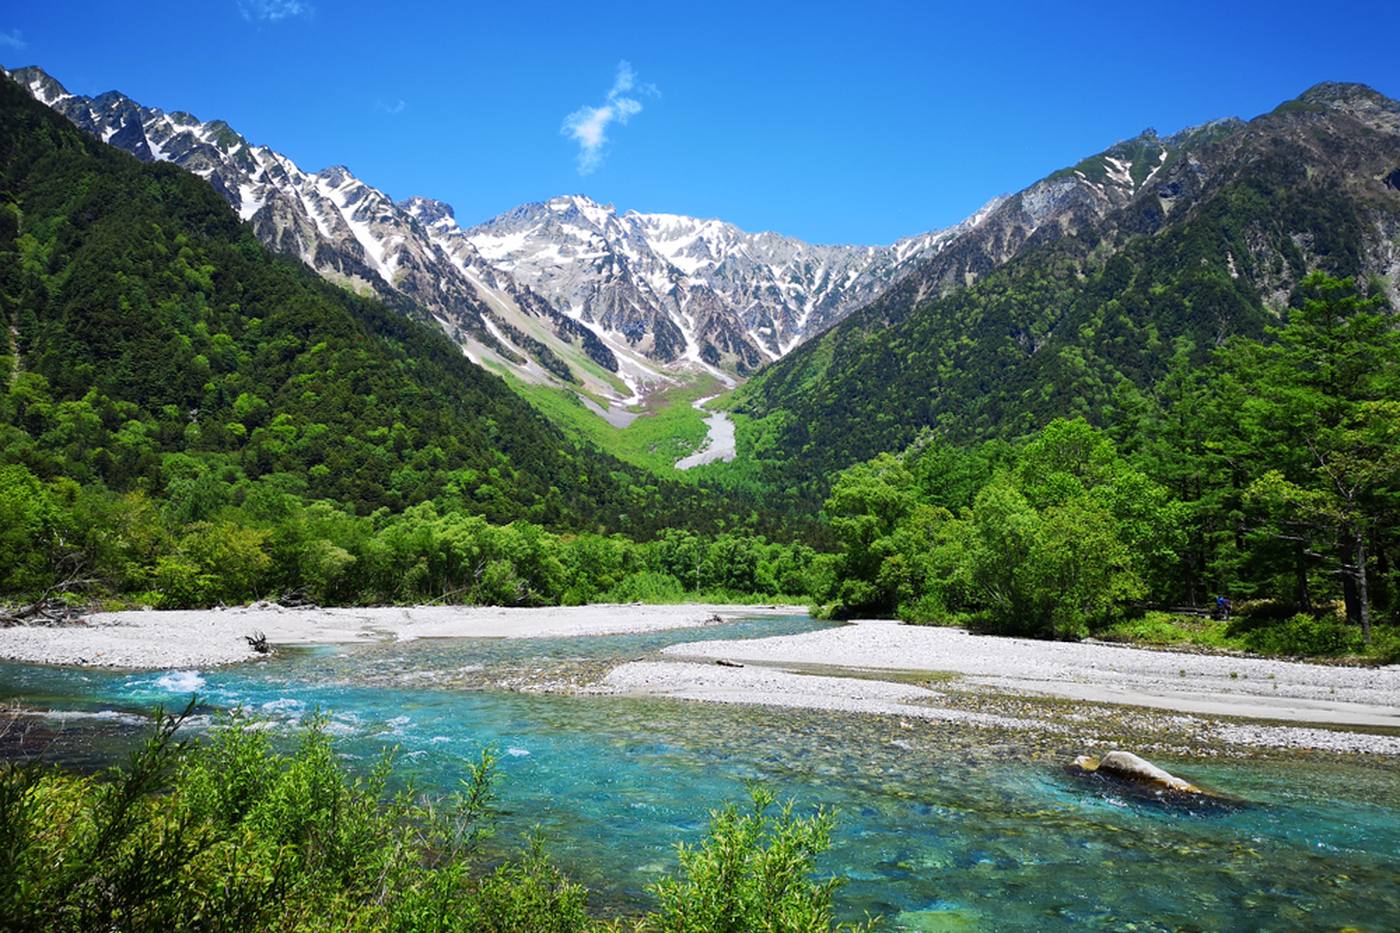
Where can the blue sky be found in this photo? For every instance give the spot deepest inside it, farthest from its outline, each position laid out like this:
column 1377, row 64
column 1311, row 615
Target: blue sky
column 851, row 122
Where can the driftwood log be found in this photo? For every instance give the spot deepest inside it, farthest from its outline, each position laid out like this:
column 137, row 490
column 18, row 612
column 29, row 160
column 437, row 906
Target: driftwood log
column 47, row 610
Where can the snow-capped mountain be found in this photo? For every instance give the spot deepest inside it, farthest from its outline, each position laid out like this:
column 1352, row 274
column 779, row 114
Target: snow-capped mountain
column 689, row 287
column 571, row 292
column 410, row 254
column 540, row 288
column 1067, row 202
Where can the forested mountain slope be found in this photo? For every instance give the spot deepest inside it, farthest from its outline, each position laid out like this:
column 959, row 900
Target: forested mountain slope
column 410, row 254
column 153, row 344
column 1208, row 244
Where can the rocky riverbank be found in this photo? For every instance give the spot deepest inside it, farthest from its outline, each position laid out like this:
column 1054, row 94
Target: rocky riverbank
column 205, row 638
column 1174, row 699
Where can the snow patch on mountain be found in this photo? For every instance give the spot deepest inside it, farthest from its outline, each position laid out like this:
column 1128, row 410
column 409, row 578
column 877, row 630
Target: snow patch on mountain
column 737, row 299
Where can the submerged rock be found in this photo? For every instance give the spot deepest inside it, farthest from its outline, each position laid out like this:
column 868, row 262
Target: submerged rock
column 1125, row 777
column 1129, row 767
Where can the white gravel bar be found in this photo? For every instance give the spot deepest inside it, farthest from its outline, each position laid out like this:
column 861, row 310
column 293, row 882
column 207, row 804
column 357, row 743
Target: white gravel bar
column 205, row 638
column 1212, row 685
column 772, row 687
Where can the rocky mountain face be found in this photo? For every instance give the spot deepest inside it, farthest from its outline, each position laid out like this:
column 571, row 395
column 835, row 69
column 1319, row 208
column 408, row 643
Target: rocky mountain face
column 412, row 254
column 687, row 288
column 544, row 290
column 1143, row 184
column 1066, row 203
column 550, row 289
column 1079, row 291
column 571, row 292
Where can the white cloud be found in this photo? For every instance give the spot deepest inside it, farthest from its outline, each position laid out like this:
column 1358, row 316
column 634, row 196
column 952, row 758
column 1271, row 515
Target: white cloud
column 588, row 126
column 13, row 39
column 392, row 108
column 273, row 11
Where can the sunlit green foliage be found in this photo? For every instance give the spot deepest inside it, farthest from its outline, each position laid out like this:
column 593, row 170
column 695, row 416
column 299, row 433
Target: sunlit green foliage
column 669, row 429
column 274, row 544
column 1271, row 473
column 235, row 833
column 160, row 348
column 1080, row 323
column 1057, row 540
column 750, row 872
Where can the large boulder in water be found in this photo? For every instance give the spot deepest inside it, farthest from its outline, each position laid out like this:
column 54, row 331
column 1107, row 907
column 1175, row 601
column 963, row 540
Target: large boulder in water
column 1126, row 766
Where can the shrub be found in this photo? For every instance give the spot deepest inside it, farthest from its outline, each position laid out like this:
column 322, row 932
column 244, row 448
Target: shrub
column 25, row 528
column 1249, row 613
column 750, row 872
column 182, row 584
column 229, row 833
column 324, row 565
column 1385, row 644
column 229, row 560
column 648, row 586
column 1304, row 634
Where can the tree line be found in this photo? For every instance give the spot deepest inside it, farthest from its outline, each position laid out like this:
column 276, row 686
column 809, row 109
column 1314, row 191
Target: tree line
column 197, row 548
column 142, row 321
column 1270, row 475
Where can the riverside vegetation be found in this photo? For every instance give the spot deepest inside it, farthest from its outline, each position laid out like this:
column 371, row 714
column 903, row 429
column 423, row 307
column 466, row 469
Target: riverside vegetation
column 1272, row 474
column 231, row 833
column 189, row 420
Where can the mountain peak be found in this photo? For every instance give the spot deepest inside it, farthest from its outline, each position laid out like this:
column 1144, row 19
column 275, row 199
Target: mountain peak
column 1329, row 92
column 428, row 210
column 581, row 202
column 42, row 85
column 337, row 176
column 1358, row 100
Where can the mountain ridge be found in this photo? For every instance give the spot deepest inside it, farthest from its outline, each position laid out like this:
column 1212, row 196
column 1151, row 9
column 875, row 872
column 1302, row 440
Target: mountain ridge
column 673, row 292
column 1089, row 311
column 159, row 347
column 773, row 290
column 357, row 236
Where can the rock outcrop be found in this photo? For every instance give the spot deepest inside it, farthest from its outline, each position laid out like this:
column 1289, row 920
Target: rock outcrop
column 1126, row 766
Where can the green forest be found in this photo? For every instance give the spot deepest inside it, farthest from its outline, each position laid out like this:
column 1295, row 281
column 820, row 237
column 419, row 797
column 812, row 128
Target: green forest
column 190, row 421
column 1271, row 476
column 1175, row 423
column 1078, row 325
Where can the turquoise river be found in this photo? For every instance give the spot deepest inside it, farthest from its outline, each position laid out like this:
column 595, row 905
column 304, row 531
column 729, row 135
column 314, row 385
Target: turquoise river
column 940, row 827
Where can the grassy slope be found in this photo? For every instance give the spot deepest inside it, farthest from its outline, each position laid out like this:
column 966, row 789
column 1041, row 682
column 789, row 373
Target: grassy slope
column 668, row 430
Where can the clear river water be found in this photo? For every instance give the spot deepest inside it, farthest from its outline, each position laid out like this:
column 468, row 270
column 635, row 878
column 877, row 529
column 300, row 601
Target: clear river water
column 940, row 826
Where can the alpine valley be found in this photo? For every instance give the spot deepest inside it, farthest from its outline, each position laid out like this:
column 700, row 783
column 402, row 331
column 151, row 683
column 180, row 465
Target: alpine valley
column 562, row 292
column 574, row 524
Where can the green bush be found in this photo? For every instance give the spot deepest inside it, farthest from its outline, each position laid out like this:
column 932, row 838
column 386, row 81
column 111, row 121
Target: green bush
column 1248, row 613
column 1162, row 628
column 750, row 872
column 26, row 527
column 1385, row 644
column 648, row 586
column 1304, row 634
column 182, row 584
column 229, row 833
